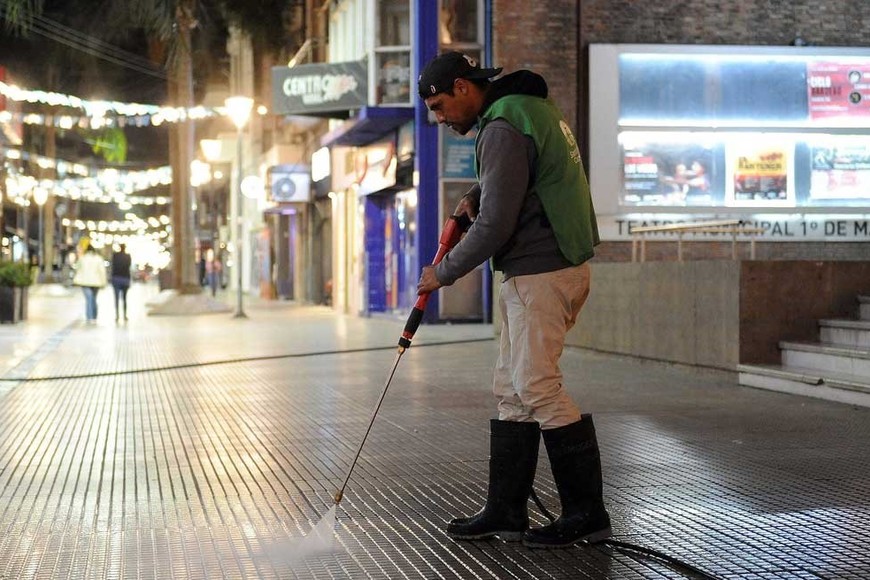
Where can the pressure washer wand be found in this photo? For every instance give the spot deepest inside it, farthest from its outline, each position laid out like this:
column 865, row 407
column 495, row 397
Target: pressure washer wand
column 453, row 229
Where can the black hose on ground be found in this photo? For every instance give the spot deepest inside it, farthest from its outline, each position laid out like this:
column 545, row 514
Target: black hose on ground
column 629, row 549
column 230, row 361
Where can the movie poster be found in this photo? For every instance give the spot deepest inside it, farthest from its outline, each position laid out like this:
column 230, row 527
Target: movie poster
column 841, row 170
column 668, row 174
column 760, row 174
column 838, row 90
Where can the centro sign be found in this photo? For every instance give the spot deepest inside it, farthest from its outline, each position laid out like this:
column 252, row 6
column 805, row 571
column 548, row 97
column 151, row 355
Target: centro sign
column 315, row 90
column 319, row 88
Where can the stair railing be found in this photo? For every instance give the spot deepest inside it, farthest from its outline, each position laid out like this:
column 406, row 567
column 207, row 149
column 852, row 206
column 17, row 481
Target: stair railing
column 731, row 227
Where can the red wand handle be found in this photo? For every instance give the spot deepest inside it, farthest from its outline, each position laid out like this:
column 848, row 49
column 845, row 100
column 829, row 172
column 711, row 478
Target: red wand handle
column 455, row 226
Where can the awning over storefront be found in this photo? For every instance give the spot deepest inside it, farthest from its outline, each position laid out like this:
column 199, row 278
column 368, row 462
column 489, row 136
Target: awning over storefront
column 370, row 124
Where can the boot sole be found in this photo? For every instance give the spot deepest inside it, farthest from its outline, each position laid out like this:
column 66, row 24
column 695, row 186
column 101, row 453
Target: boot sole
column 505, row 536
column 592, row 538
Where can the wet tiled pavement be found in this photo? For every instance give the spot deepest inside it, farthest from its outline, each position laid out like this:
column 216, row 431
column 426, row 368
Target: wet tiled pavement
column 186, row 447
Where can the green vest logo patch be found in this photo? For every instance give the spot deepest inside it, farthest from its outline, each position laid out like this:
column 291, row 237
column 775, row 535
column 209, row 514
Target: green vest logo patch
column 573, row 149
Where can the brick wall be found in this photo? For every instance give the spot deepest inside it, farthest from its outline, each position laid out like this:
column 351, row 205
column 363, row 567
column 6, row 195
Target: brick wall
column 666, row 251
column 540, row 35
column 829, row 23
column 551, row 37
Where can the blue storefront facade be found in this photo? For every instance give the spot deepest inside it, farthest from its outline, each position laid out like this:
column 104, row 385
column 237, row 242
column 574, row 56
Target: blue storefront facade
column 394, row 175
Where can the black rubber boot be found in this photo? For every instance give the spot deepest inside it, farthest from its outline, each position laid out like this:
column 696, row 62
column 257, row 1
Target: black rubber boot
column 513, row 458
column 576, row 464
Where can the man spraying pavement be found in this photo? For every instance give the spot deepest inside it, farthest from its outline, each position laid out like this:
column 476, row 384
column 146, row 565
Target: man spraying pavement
column 534, row 218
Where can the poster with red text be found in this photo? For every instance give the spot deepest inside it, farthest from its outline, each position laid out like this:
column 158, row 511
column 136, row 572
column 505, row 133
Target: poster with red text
column 838, row 90
column 760, row 174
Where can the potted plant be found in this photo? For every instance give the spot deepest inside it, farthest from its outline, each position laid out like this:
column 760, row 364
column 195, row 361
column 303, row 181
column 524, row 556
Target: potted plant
column 14, row 279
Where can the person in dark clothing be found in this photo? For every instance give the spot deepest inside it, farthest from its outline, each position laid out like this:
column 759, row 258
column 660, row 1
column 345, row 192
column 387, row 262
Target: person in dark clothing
column 533, row 217
column 121, row 263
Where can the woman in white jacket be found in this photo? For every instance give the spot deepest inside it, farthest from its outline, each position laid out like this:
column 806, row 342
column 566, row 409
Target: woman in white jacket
column 91, row 276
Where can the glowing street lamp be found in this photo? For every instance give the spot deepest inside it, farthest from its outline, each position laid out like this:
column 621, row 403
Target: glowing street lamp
column 211, row 149
column 239, row 111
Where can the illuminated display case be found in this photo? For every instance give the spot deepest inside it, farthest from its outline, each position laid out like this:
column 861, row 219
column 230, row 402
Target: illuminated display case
column 729, row 130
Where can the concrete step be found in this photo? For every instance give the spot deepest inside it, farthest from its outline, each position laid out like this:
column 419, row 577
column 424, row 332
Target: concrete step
column 831, row 386
column 840, row 331
column 864, row 307
column 827, row 357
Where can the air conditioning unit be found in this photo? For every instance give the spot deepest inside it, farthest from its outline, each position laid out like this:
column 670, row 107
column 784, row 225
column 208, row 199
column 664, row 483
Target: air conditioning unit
column 289, row 185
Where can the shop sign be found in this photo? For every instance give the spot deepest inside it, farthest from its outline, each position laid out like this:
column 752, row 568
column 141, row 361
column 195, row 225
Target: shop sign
column 320, row 161
column 321, row 172
column 319, row 88
column 457, row 155
column 343, row 170
column 405, row 142
column 375, row 167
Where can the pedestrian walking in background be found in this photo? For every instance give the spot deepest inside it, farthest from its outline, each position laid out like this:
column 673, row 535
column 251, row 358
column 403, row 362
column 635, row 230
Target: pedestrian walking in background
column 212, row 270
column 90, row 274
column 534, row 217
column 121, row 263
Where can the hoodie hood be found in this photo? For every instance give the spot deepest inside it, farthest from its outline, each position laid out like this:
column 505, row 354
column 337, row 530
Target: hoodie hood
column 521, row 82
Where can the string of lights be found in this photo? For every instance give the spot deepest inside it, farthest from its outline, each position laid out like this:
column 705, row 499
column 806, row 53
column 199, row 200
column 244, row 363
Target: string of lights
column 70, row 121
column 65, row 168
column 77, row 182
column 100, row 109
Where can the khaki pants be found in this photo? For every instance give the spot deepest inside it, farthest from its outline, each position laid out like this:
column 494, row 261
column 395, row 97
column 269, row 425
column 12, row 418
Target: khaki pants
column 537, row 312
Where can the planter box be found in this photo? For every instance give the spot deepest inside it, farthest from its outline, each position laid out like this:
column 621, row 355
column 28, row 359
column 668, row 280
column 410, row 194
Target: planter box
column 717, row 313
column 11, row 303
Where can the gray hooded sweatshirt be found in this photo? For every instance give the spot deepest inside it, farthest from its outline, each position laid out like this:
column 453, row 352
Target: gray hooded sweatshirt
column 511, row 226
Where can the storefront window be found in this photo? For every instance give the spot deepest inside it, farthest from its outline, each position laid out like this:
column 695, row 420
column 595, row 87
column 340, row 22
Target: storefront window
column 453, row 192
column 394, row 23
column 460, row 22
column 392, row 74
column 460, row 29
column 464, row 299
column 394, row 77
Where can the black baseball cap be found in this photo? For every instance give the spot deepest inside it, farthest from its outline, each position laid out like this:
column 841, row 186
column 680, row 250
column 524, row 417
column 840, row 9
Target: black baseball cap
column 439, row 74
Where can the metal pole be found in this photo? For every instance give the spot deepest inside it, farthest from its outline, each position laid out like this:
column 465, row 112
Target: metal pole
column 340, row 493
column 680, row 247
column 26, row 228
column 40, row 258
column 240, row 312
column 215, row 240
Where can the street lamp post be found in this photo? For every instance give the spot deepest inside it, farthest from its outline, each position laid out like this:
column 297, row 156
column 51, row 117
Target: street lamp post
column 211, row 149
column 40, row 196
column 239, row 111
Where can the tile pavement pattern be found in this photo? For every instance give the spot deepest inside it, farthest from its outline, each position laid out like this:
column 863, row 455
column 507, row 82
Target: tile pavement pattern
column 159, row 467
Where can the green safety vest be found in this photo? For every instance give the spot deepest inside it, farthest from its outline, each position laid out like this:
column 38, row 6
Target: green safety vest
column 560, row 181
